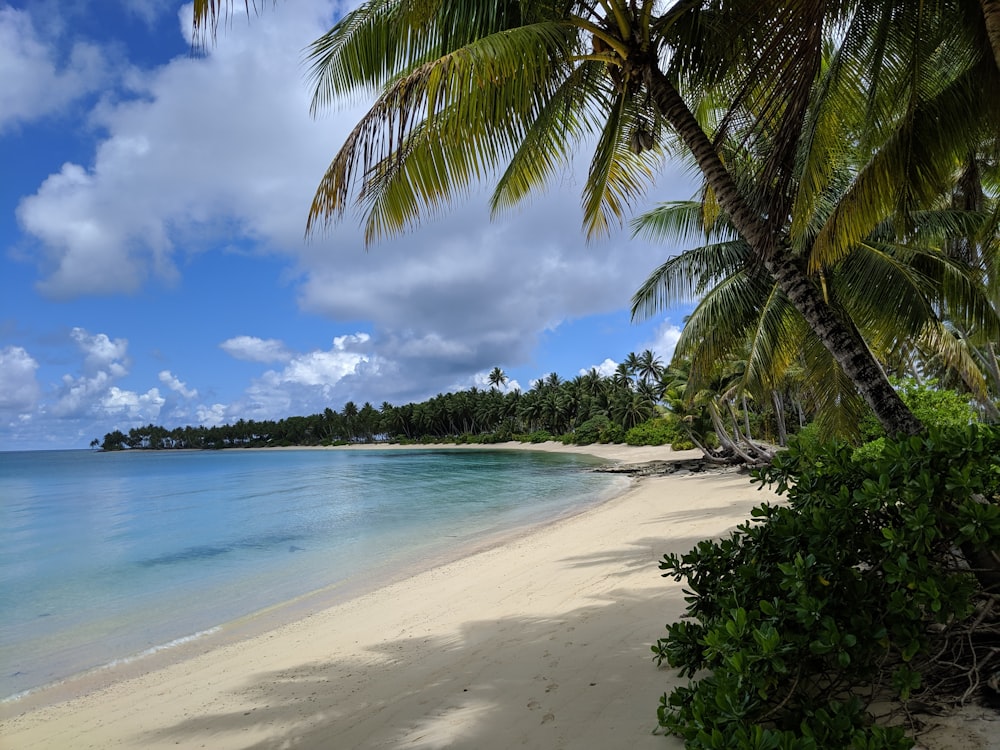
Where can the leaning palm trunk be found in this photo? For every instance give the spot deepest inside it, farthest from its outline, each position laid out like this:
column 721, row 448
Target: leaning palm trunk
column 779, row 418
column 991, row 14
column 737, row 448
column 838, row 335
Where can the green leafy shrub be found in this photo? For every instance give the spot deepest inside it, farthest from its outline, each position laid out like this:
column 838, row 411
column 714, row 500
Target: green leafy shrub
column 664, row 430
column 597, row 429
column 809, row 440
column 935, row 407
column 810, row 601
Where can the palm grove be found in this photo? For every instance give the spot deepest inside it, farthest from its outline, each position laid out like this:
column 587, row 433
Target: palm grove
column 846, row 229
column 589, row 408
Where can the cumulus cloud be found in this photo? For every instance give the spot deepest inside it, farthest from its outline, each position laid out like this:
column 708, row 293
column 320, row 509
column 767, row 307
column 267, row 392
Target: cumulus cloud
column 253, row 349
column 133, row 406
column 316, row 371
column 101, row 353
column 19, row 389
column 37, row 81
column 175, row 384
column 182, row 162
column 665, row 341
column 105, row 360
column 211, row 416
column 606, row 368
column 326, row 368
column 78, row 395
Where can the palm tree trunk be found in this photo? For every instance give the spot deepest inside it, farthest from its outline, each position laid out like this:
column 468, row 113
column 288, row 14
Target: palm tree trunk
column 991, row 14
column 722, row 433
column 992, row 366
column 838, row 335
column 779, row 418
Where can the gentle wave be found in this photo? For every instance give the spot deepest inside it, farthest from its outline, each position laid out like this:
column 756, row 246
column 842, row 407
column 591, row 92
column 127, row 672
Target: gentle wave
column 183, row 640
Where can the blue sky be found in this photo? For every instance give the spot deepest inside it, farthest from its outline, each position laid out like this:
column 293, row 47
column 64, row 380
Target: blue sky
column 154, row 269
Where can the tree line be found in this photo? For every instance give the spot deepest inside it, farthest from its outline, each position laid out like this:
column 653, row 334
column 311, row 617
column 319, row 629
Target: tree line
column 590, row 407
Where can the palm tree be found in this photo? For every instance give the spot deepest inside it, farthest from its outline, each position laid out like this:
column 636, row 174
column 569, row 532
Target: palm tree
column 622, row 377
column 743, row 314
column 350, row 414
column 497, row 378
column 648, row 367
column 631, row 409
column 632, row 364
column 510, row 88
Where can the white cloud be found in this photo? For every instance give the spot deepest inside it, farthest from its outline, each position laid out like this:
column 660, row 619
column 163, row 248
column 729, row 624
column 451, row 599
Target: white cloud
column 34, row 82
column 175, row 384
column 182, row 163
column 100, row 352
column 78, row 395
column 136, row 407
column 19, row 389
column 212, row 416
column 253, row 349
column 665, row 341
column 104, row 361
column 323, row 369
column 606, row 368
column 308, row 383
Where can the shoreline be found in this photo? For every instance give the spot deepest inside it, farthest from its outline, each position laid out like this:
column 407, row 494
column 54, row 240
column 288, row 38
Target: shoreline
column 281, row 613
column 540, row 640
column 214, row 634
column 159, row 700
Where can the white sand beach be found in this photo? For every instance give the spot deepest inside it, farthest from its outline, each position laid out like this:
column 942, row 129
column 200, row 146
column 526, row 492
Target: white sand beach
column 540, row 642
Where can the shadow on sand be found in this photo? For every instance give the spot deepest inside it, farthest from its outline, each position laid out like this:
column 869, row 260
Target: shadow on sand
column 583, row 679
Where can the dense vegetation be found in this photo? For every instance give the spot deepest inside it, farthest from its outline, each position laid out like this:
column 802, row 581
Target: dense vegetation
column 624, row 407
column 864, row 586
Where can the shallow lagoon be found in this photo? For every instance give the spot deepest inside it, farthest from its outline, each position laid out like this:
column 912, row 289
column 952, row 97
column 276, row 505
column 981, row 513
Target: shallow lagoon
column 106, row 556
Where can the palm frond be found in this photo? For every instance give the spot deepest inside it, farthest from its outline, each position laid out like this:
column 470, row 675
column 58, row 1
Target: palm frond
column 383, row 39
column 619, row 174
column 479, row 98
column 774, row 345
column 682, row 222
column 564, row 118
column 912, row 169
column 955, row 354
column 687, row 276
column 828, row 392
column 721, row 323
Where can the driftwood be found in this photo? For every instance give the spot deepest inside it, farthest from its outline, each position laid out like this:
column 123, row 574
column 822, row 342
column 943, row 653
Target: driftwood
column 665, row 467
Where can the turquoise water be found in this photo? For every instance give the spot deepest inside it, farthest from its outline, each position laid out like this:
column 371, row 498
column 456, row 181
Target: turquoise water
column 105, row 556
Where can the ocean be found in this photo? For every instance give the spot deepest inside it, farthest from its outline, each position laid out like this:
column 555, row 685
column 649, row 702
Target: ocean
column 111, row 557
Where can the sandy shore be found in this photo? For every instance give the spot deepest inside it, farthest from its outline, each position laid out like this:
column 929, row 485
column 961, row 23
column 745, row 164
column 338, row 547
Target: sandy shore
column 542, row 642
